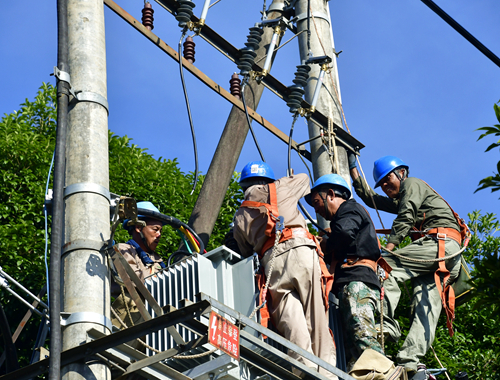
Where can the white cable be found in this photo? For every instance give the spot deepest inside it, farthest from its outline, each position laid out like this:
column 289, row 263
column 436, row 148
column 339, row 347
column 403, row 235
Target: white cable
column 46, row 235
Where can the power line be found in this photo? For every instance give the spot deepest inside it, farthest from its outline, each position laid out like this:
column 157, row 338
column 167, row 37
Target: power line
column 460, row 29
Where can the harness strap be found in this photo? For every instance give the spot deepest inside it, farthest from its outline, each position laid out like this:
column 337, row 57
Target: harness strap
column 442, row 275
column 271, row 208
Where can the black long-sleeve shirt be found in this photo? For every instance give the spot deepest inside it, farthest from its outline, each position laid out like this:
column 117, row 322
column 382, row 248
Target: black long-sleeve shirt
column 353, row 234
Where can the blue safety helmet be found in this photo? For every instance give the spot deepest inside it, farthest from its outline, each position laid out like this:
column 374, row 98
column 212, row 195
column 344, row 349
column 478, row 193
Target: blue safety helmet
column 146, row 205
column 384, row 166
column 257, row 169
column 333, row 180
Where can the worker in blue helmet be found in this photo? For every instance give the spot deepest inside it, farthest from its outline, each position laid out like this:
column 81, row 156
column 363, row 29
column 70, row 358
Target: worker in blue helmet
column 353, row 251
column 435, row 231
column 140, row 254
column 296, row 298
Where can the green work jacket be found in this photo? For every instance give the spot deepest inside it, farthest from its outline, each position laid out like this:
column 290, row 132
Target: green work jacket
column 417, row 206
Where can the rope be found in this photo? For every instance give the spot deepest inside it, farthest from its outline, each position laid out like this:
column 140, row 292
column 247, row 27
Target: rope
column 279, row 47
column 333, row 145
column 126, row 305
column 371, row 195
column 425, row 261
column 441, row 364
column 125, row 325
column 215, row 2
column 268, row 279
column 343, row 115
column 195, row 356
column 382, row 338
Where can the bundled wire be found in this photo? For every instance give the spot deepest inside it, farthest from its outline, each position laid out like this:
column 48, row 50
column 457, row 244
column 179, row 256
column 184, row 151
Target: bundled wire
column 193, row 135
column 176, row 223
column 302, row 208
column 245, row 82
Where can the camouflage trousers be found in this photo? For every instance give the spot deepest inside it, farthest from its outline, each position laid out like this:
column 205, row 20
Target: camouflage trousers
column 358, row 303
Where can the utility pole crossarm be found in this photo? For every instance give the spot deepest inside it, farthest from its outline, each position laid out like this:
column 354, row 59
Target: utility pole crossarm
column 202, row 76
column 231, row 52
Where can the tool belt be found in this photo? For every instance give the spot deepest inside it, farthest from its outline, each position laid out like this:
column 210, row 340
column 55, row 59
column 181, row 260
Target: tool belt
column 442, row 234
column 380, row 266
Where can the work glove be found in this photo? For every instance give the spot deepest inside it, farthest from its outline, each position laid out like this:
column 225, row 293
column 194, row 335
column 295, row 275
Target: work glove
column 351, row 158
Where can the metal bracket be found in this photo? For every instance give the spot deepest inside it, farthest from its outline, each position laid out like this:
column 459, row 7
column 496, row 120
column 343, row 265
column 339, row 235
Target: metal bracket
column 87, row 187
column 62, row 75
column 303, row 16
column 81, row 96
column 93, row 245
column 94, row 97
column 280, row 224
column 86, row 317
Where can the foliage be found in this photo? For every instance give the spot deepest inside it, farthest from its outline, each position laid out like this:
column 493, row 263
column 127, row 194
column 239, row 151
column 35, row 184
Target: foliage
column 27, row 140
column 162, row 182
column 486, row 259
column 474, row 347
column 492, row 182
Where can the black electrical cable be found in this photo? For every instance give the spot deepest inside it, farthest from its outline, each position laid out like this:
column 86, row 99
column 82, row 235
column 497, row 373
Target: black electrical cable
column 463, row 32
column 245, row 80
column 181, row 69
column 58, row 200
column 171, row 221
column 309, row 26
column 302, row 208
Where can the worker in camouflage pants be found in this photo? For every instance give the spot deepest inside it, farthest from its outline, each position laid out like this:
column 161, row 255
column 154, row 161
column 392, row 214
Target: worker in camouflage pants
column 357, row 303
column 353, row 249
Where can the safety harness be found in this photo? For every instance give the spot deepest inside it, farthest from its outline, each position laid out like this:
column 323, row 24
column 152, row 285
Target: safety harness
column 442, row 274
column 275, row 225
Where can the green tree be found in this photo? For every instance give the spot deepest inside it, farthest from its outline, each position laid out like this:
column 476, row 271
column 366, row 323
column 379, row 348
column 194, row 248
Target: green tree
column 492, row 182
column 27, row 140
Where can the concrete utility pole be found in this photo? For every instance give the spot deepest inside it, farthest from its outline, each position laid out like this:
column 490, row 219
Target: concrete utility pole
column 321, row 43
column 86, row 293
column 228, row 150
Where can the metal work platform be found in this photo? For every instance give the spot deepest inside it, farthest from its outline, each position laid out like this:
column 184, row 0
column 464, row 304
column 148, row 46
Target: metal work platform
column 257, row 358
column 178, row 340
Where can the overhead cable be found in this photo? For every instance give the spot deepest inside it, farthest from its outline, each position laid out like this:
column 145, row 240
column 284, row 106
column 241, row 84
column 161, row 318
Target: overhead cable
column 245, row 82
column 193, row 135
column 463, row 32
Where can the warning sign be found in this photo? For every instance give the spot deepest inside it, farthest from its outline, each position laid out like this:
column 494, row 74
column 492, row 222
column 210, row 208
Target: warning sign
column 224, row 335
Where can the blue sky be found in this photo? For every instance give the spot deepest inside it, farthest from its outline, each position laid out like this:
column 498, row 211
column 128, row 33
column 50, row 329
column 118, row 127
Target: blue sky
column 411, row 86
